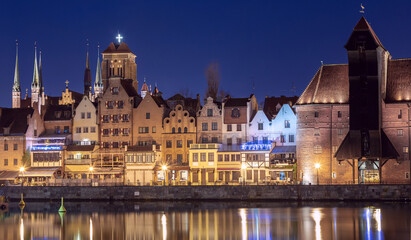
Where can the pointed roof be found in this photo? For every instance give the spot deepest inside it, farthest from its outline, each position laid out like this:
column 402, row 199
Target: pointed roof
column 40, row 72
column 87, row 76
column 99, row 81
column 117, row 48
column 36, row 81
column 145, row 86
column 16, row 84
column 361, row 27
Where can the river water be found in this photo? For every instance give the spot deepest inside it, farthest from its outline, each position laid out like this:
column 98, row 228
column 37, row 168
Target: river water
column 207, row 220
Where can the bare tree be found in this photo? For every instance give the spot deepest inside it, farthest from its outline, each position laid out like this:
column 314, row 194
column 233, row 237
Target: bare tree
column 213, row 80
column 186, row 92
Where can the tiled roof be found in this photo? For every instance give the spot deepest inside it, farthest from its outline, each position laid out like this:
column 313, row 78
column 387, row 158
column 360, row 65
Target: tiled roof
column 270, row 104
column 15, row 120
column 236, row 102
column 128, row 87
column 58, row 113
column 116, row 48
column 399, row 81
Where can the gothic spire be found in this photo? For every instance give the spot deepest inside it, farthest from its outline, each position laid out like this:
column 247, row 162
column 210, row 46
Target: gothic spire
column 35, row 83
column 40, row 72
column 87, row 75
column 16, row 84
column 99, row 81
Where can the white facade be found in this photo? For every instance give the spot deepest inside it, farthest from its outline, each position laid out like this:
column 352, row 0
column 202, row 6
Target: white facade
column 284, row 124
column 260, row 128
column 85, row 128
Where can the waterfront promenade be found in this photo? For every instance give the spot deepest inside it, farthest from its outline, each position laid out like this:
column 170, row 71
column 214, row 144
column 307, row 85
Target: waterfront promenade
column 201, row 193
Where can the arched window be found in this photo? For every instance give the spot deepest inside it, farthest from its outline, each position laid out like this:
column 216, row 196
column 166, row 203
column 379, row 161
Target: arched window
column 179, row 130
column 185, row 130
column 173, row 130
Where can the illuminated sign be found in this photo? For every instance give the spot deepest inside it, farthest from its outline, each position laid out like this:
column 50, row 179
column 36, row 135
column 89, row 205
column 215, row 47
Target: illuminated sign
column 256, row 146
column 46, row 148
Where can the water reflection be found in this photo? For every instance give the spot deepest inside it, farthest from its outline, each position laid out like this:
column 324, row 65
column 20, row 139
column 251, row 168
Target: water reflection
column 207, row 221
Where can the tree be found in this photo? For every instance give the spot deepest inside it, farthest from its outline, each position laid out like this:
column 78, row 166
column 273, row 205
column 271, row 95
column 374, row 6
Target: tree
column 213, row 80
column 26, row 159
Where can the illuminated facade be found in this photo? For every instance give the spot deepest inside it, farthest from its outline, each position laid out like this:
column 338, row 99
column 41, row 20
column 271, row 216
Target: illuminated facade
column 85, row 119
column 209, row 122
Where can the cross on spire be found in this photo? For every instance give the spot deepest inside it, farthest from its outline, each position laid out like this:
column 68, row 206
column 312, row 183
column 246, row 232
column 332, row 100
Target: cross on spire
column 67, row 82
column 119, row 37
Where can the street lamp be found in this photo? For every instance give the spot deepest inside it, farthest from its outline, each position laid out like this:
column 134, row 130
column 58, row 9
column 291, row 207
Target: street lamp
column 317, row 166
column 164, row 168
column 22, row 172
column 243, row 167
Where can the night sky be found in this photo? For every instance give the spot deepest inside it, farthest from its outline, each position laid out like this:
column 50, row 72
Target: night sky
column 272, row 44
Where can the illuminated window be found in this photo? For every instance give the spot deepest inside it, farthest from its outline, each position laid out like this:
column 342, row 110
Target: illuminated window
column 405, row 149
column 203, row 157
column 169, row 144
column 179, row 143
column 211, row 157
column 400, row 132
column 286, row 123
column 318, row 149
column 195, row 157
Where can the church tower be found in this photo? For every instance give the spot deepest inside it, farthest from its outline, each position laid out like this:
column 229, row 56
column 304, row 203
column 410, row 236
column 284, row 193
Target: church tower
column 87, row 76
column 98, row 84
column 144, row 89
column 35, row 85
column 119, row 61
column 16, row 85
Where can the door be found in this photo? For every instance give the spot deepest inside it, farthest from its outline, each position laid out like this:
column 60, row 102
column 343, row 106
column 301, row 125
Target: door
column 255, row 176
column 203, row 177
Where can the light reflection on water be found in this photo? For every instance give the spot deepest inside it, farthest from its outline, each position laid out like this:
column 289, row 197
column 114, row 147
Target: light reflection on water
column 207, row 221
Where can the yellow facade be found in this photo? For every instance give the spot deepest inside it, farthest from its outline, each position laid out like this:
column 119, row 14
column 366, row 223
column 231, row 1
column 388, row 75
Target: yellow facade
column 203, row 163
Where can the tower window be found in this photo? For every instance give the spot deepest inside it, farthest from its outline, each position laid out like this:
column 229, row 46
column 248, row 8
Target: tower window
column 400, row 114
column 339, row 114
column 316, row 114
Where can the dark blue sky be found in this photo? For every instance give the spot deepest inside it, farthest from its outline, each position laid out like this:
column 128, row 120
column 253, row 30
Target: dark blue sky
column 273, row 43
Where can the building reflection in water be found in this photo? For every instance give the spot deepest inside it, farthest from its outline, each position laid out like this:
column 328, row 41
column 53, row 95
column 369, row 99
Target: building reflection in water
column 213, row 222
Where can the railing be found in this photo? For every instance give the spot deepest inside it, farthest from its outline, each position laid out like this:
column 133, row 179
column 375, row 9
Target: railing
column 85, row 182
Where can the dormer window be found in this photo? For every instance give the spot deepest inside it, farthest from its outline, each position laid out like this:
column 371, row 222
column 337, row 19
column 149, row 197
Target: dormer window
column 114, row 90
column 57, row 114
column 235, row 113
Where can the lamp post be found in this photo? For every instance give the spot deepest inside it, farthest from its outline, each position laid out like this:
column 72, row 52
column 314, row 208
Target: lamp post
column 22, row 172
column 164, row 168
column 243, row 167
column 317, row 166
column 91, row 170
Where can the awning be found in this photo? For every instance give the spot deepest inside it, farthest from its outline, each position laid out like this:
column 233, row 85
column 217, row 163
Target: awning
column 284, row 149
column 39, row 172
column 8, row 175
column 77, row 168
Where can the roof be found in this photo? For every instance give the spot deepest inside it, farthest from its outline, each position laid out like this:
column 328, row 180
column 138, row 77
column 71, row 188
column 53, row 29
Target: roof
column 236, row 102
column 81, row 148
column 39, row 172
column 363, row 25
column 159, row 100
column 8, row 175
column 192, row 105
column 58, row 113
column 144, row 87
column 15, row 120
column 284, row 149
column 117, row 48
column 127, row 84
column 399, row 81
column 76, row 96
column 270, row 104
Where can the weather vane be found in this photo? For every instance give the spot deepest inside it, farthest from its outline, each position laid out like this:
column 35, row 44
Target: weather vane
column 362, row 9
column 119, row 37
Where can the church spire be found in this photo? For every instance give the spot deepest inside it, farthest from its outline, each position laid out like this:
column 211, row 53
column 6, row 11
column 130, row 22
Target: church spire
column 36, row 81
column 87, row 75
column 40, row 73
column 16, row 84
column 98, row 84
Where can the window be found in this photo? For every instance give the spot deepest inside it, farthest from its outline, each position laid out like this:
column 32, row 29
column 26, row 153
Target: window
column 286, row 123
column 214, row 126
column 110, row 104
column 316, row 132
column 204, row 139
column 105, row 132
column 400, row 114
column 209, row 112
column 179, row 130
column 195, row 157
column 115, row 144
column 173, row 130
column 88, row 115
column 15, row 146
column 153, row 130
column 291, row 138
column 83, row 115
column 78, row 129
column 179, row 143
column 66, row 129
column 169, row 144
column 126, row 117
column 203, row 157
column 239, row 141
column 260, row 126
column 143, row 130
column 114, row 90
column 126, row 131
column 318, row 149
column 105, row 118
column 229, row 141
column 204, row 126
column 229, row 128
column 92, row 129
column 334, row 175
column 220, row 157
column 237, row 157
column 339, row 114
column 57, row 129
column 179, row 158
column 316, row 114
column 238, row 127
column 106, row 145
column 255, row 139
column 265, row 140
column 211, row 157
column 235, row 113
column 226, row 157
column 282, row 138
column 340, row 131
column 214, row 140
column 85, row 129
column 115, row 132
column 189, row 142
column 185, row 130
column 15, row 162
column 115, row 118
column 6, row 162
column 405, row 149
column 148, row 115
column 400, row 132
